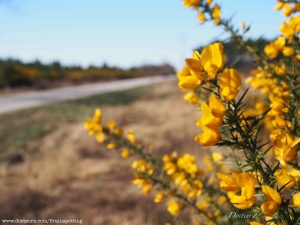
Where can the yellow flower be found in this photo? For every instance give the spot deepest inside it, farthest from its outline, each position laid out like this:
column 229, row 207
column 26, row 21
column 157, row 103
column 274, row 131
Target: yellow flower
column 216, row 14
column 195, row 66
column 287, row 176
column 255, row 223
column 291, row 27
column 243, row 182
column 217, row 157
column 173, row 208
column 94, row 127
column 209, row 137
column 179, row 178
column 209, row 167
column 204, row 203
column 142, row 166
column 221, row 200
column 192, row 98
column 209, row 119
column 279, row 6
column 169, row 163
column 196, row 189
column 201, row 16
column 131, row 138
column 191, row 3
column 218, row 109
column 279, row 43
column 279, row 69
column 230, row 84
column 284, row 146
column 111, row 125
column 212, row 114
column 100, row 137
column 273, row 49
column 186, row 80
column 296, row 200
column 147, row 187
column 208, row 2
column 159, row 197
column 125, row 153
column 111, row 146
column 241, row 201
column 258, row 109
column 188, row 163
column 273, row 202
column 288, row 10
column 212, row 58
column 228, row 183
column 212, row 118
column 288, row 51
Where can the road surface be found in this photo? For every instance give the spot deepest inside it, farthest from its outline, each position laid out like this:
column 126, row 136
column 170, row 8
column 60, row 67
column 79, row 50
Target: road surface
column 14, row 102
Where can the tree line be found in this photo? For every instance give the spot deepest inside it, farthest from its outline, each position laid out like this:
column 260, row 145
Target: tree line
column 15, row 73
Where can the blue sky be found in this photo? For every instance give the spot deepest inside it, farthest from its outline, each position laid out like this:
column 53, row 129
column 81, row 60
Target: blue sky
column 119, row 32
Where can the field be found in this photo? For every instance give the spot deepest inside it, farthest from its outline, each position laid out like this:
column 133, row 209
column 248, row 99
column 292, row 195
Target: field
column 50, row 167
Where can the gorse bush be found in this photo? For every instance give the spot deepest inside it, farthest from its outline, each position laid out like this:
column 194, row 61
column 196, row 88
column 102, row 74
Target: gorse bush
column 15, row 73
column 253, row 176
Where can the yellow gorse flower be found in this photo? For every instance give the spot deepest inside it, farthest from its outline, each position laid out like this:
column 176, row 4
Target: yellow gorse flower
column 279, row 5
column 145, row 185
column 213, row 60
column 273, row 200
column 173, row 208
column 255, row 223
column 208, row 2
column 111, row 146
column 278, row 95
column 187, row 80
column 188, row 164
column 291, row 28
column 244, row 183
column 296, row 200
column 217, row 157
column 131, row 137
column 288, row 51
column 212, row 118
column 287, row 9
column 284, row 146
column 125, row 153
column 195, row 66
column 159, row 197
column 201, row 16
column 94, row 127
column 184, row 174
column 216, row 14
column 230, row 83
column 287, row 176
column 192, row 98
column 275, row 47
column 170, row 163
column 191, row 3
column 201, row 67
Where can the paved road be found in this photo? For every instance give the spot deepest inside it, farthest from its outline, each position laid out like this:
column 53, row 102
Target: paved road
column 13, row 102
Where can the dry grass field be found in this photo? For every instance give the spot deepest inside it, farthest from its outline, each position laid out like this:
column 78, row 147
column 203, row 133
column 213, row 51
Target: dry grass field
column 51, row 168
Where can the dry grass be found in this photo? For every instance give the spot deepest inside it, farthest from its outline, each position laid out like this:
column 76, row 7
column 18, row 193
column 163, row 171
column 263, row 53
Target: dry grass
column 68, row 175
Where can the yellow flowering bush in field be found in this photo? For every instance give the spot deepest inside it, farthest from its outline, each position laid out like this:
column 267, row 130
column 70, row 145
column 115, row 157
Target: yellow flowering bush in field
column 255, row 174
